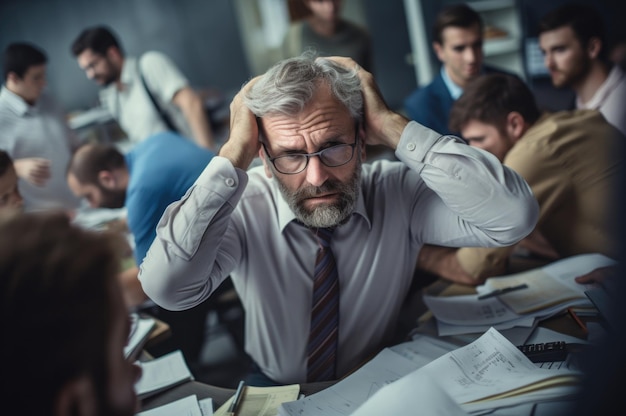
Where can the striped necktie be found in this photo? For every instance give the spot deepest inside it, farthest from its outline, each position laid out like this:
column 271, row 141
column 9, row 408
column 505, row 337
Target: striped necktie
column 323, row 336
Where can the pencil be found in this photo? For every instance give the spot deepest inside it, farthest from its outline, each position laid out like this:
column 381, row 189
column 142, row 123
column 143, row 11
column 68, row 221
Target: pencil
column 577, row 319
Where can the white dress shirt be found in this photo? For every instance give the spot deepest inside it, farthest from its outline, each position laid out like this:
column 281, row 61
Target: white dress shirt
column 235, row 222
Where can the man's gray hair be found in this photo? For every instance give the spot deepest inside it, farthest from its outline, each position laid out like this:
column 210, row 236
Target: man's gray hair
column 288, row 86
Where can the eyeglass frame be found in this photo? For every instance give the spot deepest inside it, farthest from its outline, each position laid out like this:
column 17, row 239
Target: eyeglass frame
column 318, row 153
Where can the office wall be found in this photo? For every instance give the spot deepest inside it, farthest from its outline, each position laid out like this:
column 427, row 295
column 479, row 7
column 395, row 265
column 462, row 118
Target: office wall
column 386, row 21
column 201, row 36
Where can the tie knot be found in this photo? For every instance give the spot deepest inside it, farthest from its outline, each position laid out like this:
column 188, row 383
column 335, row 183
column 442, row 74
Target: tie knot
column 324, row 235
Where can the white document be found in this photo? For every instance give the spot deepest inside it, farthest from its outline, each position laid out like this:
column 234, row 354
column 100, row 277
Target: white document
column 405, row 396
column 187, row 406
column 467, row 309
column 548, row 286
column 491, row 372
column 162, row 373
column 206, row 406
column 343, row 398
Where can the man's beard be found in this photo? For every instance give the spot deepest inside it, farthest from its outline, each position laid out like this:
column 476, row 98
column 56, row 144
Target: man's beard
column 575, row 75
column 324, row 215
column 106, row 80
column 112, row 199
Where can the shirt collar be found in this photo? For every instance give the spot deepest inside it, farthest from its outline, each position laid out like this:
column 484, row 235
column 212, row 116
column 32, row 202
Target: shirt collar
column 16, row 103
column 287, row 216
column 607, row 87
column 455, row 90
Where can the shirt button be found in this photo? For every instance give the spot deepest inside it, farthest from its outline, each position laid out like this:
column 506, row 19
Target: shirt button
column 230, row 182
column 410, row 146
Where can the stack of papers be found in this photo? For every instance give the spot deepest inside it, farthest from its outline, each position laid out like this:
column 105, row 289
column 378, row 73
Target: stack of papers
column 489, row 373
column 390, row 365
column 547, row 291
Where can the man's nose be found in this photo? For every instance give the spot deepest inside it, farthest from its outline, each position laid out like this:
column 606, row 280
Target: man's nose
column 316, row 173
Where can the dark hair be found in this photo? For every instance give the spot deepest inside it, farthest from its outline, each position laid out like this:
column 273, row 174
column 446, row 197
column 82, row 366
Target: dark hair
column 91, row 158
column 584, row 20
column 20, row 56
column 455, row 15
column 5, row 162
column 490, row 99
column 56, row 288
column 98, row 38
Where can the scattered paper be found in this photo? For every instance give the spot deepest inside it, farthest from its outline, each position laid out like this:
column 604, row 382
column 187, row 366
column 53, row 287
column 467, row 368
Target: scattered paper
column 162, row 373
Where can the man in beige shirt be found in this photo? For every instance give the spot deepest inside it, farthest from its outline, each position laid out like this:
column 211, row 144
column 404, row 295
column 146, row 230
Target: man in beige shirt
column 571, row 160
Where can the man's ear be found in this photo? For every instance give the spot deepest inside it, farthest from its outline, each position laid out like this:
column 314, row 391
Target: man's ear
column 76, row 397
column 113, row 54
column 515, row 125
column 594, row 46
column 13, row 78
column 438, row 48
column 266, row 163
column 107, row 179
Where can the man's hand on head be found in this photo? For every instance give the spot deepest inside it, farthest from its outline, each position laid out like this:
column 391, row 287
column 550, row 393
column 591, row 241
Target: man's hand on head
column 382, row 125
column 243, row 141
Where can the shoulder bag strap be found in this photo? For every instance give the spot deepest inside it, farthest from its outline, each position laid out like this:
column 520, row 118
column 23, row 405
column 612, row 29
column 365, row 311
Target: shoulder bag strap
column 162, row 113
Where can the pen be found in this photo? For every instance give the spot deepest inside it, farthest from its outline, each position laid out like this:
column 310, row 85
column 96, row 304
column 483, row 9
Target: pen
column 232, row 409
column 502, row 291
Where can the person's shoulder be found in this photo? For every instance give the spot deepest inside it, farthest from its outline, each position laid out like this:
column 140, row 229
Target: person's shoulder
column 422, row 96
column 355, row 27
column 152, row 58
column 555, row 129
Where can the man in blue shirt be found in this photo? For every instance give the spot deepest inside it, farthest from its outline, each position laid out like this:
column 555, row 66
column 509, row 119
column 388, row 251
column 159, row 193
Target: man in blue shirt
column 458, row 43
column 157, row 172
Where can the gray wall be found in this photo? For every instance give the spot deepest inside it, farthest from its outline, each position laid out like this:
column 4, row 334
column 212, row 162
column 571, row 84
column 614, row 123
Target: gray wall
column 201, row 36
column 387, row 24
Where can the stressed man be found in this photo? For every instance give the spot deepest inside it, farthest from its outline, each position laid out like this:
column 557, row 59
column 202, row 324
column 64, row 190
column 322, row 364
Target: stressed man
column 321, row 246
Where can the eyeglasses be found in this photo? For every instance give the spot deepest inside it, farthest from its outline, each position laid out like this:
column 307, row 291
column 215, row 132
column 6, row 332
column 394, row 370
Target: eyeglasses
column 332, row 157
